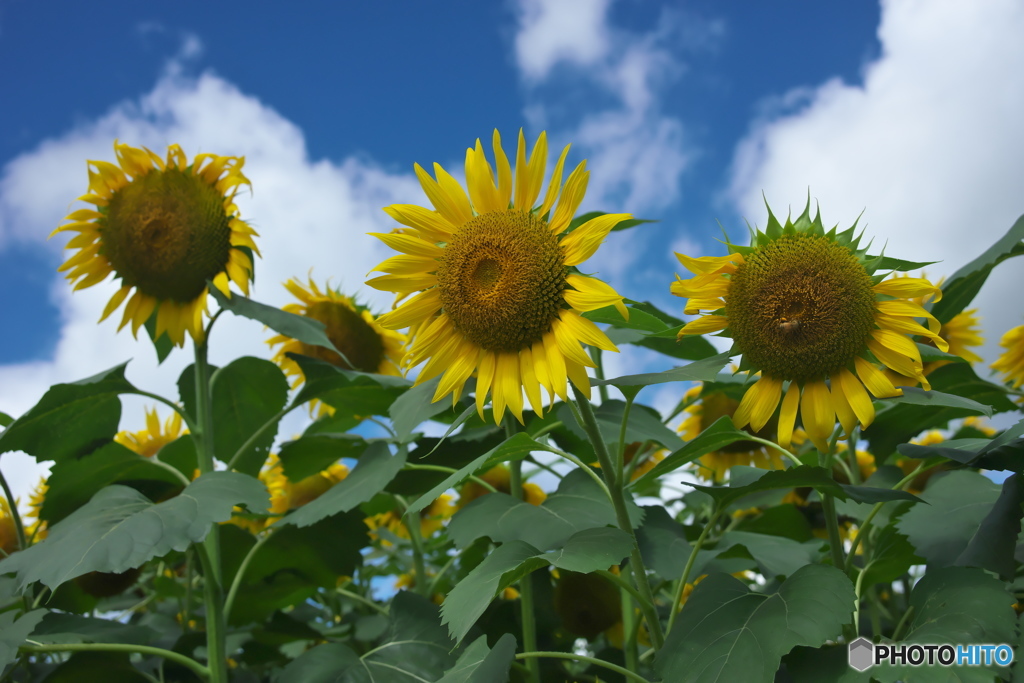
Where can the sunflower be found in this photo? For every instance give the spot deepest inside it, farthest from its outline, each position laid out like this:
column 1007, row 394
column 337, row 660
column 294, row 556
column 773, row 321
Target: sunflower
column 431, row 519
column 498, row 294
column 703, row 411
column 285, row 495
column 500, row 477
column 352, row 329
column 37, row 529
column 8, row 530
column 806, row 309
column 1011, row 363
column 148, row 442
column 164, row 233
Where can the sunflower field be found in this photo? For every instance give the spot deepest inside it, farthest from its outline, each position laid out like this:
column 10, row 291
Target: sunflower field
column 473, row 499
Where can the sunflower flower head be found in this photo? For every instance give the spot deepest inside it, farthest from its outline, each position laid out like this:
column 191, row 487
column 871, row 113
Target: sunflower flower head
column 8, row 531
column 35, row 525
column 148, row 442
column 807, row 310
column 351, row 327
column 493, row 273
column 1011, row 363
column 164, row 228
column 500, row 477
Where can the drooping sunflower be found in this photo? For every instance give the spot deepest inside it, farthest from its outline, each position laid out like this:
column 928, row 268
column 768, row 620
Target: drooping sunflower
column 1011, row 362
column 704, row 411
column 148, row 442
column 164, row 228
column 352, row 329
column 806, row 308
column 498, row 292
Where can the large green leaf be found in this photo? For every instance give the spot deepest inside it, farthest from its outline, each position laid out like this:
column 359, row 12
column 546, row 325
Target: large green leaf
column 957, row 605
column 481, row 664
column 516, row 447
column 308, row 455
column 13, row 633
column 664, row 340
column 73, row 482
column 416, row 406
column 993, row 544
column 727, row 633
column 415, row 648
column 964, row 284
column 325, row 663
column 898, row 423
column 376, row 468
column 891, row 557
column 578, row 504
column 57, row 627
column 97, row 667
column 70, row 420
column 663, row 543
column 306, row 330
column 347, row 391
column 957, row 504
column 455, row 452
column 704, row 370
column 584, row 552
column 247, row 393
column 120, row 528
column 775, row 555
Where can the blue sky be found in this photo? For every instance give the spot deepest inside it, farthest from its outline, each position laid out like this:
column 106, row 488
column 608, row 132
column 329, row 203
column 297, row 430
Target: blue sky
column 686, row 111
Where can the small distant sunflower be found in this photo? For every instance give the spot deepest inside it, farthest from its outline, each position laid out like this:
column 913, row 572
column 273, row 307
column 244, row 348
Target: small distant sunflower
column 500, row 477
column 1011, row 362
column 704, row 411
column 431, row 519
column 285, row 495
column 148, row 442
column 36, row 529
column 498, row 294
column 805, row 308
column 8, row 530
column 352, row 329
column 164, row 228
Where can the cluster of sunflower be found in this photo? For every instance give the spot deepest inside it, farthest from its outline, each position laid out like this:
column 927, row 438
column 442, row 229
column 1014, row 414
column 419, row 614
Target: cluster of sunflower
column 490, row 299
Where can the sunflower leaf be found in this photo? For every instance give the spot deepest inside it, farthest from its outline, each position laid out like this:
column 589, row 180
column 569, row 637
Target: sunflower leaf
column 247, row 394
column 308, row 455
column 13, row 633
column 663, row 543
column 638, row 319
column 719, row 435
column 704, row 370
column 515, row 448
column 961, row 288
column 929, row 354
column 919, row 397
column 301, row 328
column 71, row 419
column 621, row 225
column 416, row 406
column 993, row 544
column 120, row 528
column 5, row 420
column 377, row 466
column 481, row 664
column 347, row 391
column 890, row 263
column 728, row 633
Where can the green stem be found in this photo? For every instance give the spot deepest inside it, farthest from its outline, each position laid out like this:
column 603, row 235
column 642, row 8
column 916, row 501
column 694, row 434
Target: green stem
column 630, row 624
column 416, row 540
column 170, row 468
column 771, row 444
column 546, row 428
column 598, row 357
column 526, row 611
column 586, row 468
column 209, row 551
column 589, row 660
column 636, row 562
column 191, row 664
column 677, row 597
column 828, row 505
column 12, row 505
column 366, row 601
column 904, row 620
column 859, row 591
column 448, row 470
column 621, row 583
column 236, row 582
column 620, row 457
column 258, row 433
column 186, row 418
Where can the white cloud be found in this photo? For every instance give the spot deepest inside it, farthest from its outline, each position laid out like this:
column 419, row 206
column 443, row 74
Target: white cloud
column 310, row 214
column 931, row 143
column 550, row 32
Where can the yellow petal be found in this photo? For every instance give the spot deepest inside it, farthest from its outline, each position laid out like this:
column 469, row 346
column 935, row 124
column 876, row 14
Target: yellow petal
column 458, row 372
column 432, row 226
column 909, row 326
column 908, row 309
column 455, row 193
column 404, row 264
column 504, row 171
column 569, row 344
column 908, row 288
column 403, row 284
column 483, row 193
column 589, row 294
column 556, row 365
column 818, row 414
column 529, row 379
column 578, row 375
column 413, row 311
column 787, row 416
column 858, row 398
column 759, row 403
column 115, row 301
column 875, row 380
column 540, row 367
column 581, row 243
column 507, row 374
column 530, row 174
column 705, row 325
column 844, row 413
column 586, row 331
column 484, row 377
column 554, row 184
column 709, row 265
column 571, row 198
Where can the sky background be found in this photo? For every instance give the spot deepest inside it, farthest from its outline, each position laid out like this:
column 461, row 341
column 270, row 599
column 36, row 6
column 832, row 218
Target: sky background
column 686, row 111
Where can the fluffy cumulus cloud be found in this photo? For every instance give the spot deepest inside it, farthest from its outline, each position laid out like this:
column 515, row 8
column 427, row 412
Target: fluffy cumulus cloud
column 930, row 144
column 311, row 214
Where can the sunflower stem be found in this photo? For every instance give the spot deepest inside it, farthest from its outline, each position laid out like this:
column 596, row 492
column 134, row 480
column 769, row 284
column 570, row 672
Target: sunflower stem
column 677, row 596
column 530, row 656
column 598, row 356
column 209, row 551
column 236, row 583
column 12, row 505
column 416, row 540
column 589, row 424
column 526, row 583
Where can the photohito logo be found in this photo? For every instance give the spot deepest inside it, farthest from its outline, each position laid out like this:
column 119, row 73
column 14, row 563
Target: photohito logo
column 864, row 654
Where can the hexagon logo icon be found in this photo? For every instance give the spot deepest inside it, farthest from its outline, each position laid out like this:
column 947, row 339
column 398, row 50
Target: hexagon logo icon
column 862, row 654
